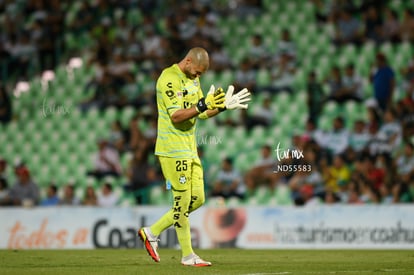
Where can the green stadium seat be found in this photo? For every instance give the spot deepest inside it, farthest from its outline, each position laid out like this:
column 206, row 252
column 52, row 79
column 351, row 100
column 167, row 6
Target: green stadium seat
column 350, row 52
column 211, row 156
column 126, row 115
column 241, row 134
column 362, row 65
column 325, row 123
column 388, row 49
column 262, row 195
column 80, row 192
column 368, row 53
column 406, row 50
column 101, row 129
column 242, row 163
column 43, row 175
column 208, row 79
column 110, row 115
column 234, row 202
column 281, row 102
column 263, row 77
column 226, row 78
column 282, row 196
column 127, row 200
column 212, row 172
column 252, row 201
column 331, row 108
column 91, row 181
column 258, row 134
column 237, row 54
column 231, row 147
column 79, row 173
column 158, row 195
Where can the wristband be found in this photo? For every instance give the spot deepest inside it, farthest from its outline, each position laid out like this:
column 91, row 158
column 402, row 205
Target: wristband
column 201, row 105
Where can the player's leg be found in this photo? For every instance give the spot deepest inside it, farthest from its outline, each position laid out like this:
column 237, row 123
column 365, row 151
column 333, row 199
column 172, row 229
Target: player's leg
column 181, row 223
column 178, row 173
column 197, row 186
column 149, row 235
column 197, row 200
column 168, row 167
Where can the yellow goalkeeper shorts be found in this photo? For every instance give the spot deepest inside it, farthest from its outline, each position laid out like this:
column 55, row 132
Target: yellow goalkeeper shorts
column 181, row 174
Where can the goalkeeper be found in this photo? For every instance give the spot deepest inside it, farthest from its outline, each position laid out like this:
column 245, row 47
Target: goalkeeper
column 180, row 101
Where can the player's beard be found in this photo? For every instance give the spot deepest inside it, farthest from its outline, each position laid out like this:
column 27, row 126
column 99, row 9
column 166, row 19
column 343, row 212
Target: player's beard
column 188, row 73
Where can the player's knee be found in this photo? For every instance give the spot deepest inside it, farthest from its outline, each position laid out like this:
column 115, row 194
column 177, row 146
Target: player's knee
column 196, row 202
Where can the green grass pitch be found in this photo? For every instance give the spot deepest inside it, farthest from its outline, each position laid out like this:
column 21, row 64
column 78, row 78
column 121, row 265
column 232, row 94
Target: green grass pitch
column 225, row 261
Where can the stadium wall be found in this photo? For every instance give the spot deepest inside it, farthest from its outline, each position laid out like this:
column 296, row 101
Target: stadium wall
column 322, row 227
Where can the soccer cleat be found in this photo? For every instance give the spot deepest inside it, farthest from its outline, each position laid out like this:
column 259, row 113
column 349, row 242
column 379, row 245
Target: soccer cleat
column 150, row 243
column 194, row 260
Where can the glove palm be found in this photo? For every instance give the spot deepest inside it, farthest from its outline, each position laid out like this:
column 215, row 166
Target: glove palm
column 234, row 101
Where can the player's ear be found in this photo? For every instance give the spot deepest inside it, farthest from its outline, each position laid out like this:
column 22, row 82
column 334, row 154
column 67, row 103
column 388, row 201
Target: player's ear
column 188, row 60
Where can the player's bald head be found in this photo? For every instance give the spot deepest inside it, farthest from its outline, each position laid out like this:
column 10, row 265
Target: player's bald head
column 199, row 57
column 195, row 63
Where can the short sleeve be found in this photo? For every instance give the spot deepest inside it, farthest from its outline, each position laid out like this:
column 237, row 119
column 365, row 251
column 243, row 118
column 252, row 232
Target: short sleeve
column 169, row 90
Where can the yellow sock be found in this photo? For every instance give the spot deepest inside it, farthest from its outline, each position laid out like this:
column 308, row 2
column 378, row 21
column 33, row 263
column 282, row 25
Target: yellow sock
column 180, row 220
column 163, row 223
column 178, row 217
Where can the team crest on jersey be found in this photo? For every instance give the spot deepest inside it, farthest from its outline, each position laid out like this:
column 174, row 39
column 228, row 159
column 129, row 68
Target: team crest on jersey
column 179, row 94
column 182, row 179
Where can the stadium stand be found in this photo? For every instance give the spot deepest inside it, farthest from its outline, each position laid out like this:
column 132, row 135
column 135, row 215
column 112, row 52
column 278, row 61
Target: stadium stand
column 109, row 56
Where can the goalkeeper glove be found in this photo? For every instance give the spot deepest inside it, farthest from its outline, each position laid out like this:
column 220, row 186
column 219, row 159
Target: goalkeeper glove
column 234, row 101
column 213, row 100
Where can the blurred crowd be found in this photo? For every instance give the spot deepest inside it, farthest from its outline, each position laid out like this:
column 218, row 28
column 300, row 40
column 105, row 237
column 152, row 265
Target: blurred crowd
column 370, row 162
column 26, row 192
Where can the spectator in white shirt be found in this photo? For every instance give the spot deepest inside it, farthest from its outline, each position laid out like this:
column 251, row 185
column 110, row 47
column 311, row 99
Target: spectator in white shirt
column 245, row 76
column 313, row 133
column 107, row 198
column 229, row 181
column 210, row 29
column 286, row 45
column 390, row 132
column 352, row 83
column 359, row 137
column 336, row 140
column 258, row 52
column 220, row 59
column 405, row 162
column 282, row 75
column 152, row 43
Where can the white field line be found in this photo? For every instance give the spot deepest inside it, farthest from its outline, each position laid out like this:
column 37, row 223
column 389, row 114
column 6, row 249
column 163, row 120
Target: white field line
column 330, row 272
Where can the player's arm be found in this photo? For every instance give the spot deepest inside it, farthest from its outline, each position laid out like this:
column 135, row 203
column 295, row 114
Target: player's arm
column 210, row 113
column 206, row 106
column 231, row 101
column 169, row 90
column 185, row 114
column 182, row 115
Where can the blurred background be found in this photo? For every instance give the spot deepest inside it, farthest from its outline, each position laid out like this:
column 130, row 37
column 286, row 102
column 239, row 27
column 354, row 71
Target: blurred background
column 332, row 80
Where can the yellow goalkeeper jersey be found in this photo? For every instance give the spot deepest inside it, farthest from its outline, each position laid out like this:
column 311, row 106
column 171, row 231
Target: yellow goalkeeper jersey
column 175, row 91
